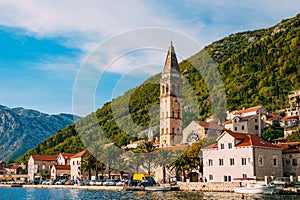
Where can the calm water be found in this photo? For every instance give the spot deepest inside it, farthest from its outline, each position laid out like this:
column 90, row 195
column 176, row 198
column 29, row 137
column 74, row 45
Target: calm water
column 40, row 194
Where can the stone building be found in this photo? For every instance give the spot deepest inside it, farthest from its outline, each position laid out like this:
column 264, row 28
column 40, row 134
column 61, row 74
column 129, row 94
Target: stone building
column 170, row 102
column 197, row 130
column 60, row 172
column 239, row 155
column 38, row 165
column 247, row 120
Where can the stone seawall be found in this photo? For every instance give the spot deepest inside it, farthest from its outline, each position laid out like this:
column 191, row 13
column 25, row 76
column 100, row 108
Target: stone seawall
column 208, row 187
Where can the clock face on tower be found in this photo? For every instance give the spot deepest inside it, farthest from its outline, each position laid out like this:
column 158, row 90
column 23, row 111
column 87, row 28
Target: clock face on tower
column 193, row 137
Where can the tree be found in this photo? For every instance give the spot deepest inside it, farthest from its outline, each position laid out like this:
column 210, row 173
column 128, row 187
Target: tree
column 88, row 164
column 164, row 158
column 270, row 134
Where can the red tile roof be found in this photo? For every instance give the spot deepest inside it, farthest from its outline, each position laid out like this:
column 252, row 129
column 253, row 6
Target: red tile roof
column 80, row 154
column 212, row 146
column 44, row 158
column 289, row 147
column 210, row 125
column 67, row 155
column 248, row 110
column 289, row 117
column 13, row 167
column 273, row 117
column 244, row 140
column 228, row 122
column 173, row 148
column 63, row 167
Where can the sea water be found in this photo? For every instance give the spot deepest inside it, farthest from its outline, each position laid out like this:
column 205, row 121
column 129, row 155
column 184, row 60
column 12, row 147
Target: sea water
column 65, row 194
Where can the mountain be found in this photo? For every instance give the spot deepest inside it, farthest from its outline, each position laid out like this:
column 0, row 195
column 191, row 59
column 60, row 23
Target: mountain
column 256, row 68
column 22, row 129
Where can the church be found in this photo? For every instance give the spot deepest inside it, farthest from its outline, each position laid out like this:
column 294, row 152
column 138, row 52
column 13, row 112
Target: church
column 171, row 131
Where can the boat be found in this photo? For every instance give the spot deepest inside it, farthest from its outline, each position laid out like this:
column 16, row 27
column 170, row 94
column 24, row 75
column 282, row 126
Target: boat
column 255, row 189
column 158, row 188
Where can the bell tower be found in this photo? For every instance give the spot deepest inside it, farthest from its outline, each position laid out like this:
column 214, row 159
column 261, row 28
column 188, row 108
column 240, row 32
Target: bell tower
column 170, row 102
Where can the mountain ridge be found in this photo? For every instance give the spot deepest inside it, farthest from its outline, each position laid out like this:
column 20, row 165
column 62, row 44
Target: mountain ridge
column 22, row 129
column 257, row 67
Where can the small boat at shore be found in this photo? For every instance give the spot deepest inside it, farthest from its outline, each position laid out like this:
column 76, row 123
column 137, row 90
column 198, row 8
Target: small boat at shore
column 158, row 188
column 255, row 189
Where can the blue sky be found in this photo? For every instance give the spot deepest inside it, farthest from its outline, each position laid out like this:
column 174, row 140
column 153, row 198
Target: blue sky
column 45, row 44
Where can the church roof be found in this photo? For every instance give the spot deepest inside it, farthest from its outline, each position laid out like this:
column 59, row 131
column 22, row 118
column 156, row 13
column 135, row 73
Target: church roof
column 171, row 63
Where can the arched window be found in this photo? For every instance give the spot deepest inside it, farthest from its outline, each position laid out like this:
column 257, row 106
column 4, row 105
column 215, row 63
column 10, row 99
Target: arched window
column 162, row 131
column 163, row 89
column 173, row 131
column 167, row 89
column 167, row 130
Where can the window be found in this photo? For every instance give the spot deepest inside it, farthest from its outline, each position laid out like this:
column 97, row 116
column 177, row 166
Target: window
column 222, row 146
column 162, row 131
column 243, row 128
column 221, row 162
column 231, row 161
column 260, row 161
column 210, row 162
column 229, row 145
column 244, row 161
column 256, row 127
column 43, row 167
column 173, row 131
column 227, row 178
column 211, row 177
column 235, row 128
column 244, row 175
column 275, row 161
column 294, row 162
column 255, row 119
column 235, row 120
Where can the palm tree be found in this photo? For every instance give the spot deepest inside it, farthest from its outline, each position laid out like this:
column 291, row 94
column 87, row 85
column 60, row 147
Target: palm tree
column 88, row 164
column 164, row 158
column 109, row 154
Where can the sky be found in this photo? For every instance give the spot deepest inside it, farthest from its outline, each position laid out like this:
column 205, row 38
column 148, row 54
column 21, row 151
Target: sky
column 55, row 53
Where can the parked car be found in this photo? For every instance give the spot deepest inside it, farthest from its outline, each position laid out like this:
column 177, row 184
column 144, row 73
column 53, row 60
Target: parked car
column 284, row 181
column 69, row 182
column 132, row 183
column 61, row 182
column 121, row 183
column 110, row 182
column 99, row 182
column 85, row 182
column 147, row 182
column 48, row 182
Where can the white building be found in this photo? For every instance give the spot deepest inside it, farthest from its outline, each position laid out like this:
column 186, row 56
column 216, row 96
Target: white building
column 239, row 155
column 64, row 158
column 75, row 163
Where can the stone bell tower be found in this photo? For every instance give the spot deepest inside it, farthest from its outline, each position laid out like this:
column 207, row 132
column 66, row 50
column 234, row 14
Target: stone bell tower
column 170, row 101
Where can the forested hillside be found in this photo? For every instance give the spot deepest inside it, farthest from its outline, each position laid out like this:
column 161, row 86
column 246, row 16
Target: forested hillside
column 257, row 68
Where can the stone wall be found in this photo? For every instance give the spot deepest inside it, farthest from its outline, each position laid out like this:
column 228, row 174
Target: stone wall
column 208, row 187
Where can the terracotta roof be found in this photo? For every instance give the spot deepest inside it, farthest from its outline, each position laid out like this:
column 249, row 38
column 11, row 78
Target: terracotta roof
column 289, row 117
column 228, row 122
column 137, row 142
column 244, row 140
column 13, row 167
column 212, row 146
column 80, row 154
column 44, row 158
column 66, row 167
column 248, row 110
column 67, row 155
column 273, row 117
column 210, row 125
column 173, row 148
column 289, row 147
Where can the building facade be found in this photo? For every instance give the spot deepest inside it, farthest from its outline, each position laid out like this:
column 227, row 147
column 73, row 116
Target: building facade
column 239, row 155
column 170, row 101
column 38, row 165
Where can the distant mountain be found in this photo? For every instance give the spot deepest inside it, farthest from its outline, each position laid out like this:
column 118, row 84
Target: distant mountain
column 22, row 129
column 257, row 67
